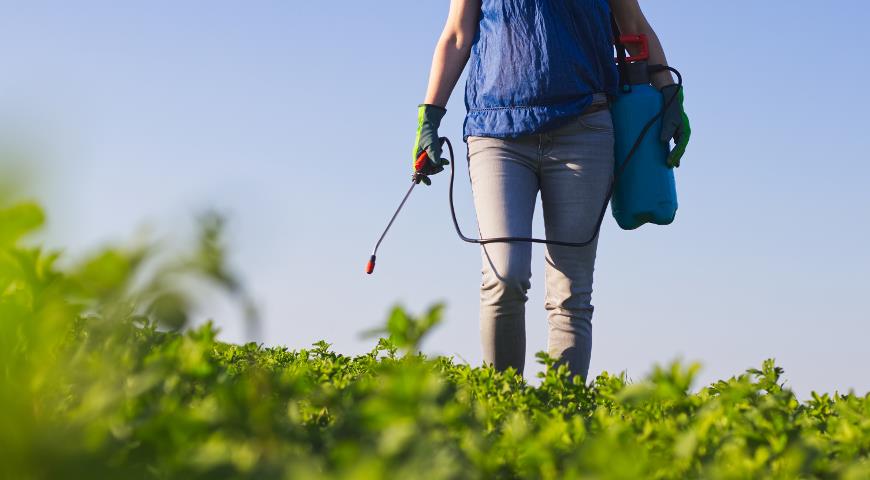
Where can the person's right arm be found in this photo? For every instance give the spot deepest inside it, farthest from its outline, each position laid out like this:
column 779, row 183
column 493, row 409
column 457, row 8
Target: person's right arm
column 451, row 55
column 452, row 50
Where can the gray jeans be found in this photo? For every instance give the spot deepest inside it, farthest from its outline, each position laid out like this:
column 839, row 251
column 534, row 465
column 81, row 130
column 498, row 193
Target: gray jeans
column 572, row 167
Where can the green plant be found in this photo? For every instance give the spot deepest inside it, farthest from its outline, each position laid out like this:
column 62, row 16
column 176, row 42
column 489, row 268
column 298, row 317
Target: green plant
column 101, row 378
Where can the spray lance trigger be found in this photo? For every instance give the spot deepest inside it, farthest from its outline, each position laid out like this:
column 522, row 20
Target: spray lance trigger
column 421, row 161
column 419, row 165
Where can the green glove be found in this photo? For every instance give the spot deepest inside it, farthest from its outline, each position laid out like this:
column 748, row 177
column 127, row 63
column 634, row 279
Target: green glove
column 675, row 124
column 428, row 120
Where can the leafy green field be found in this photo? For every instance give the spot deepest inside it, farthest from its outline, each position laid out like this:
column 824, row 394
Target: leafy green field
column 102, row 380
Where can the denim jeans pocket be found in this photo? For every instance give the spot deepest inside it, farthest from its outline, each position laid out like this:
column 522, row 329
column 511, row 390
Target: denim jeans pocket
column 599, row 121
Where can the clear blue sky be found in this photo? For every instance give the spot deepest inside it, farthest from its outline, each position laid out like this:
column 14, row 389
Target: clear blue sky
column 296, row 118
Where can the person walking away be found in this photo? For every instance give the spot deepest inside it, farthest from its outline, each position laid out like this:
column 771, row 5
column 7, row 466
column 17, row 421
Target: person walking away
column 540, row 76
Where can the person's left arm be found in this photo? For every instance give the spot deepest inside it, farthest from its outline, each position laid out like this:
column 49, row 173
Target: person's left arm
column 675, row 123
column 631, row 21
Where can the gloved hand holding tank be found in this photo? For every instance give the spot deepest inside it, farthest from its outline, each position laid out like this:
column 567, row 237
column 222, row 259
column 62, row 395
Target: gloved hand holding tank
column 675, row 123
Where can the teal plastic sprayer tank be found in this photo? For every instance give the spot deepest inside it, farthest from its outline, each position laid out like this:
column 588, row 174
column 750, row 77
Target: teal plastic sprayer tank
column 645, row 189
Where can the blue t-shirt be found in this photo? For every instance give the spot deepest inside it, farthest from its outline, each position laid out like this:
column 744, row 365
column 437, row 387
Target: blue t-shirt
column 535, row 64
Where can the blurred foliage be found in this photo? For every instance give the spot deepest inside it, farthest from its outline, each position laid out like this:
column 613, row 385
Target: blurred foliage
column 100, row 380
column 407, row 331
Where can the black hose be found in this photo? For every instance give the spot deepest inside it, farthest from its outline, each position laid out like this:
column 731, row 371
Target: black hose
column 617, row 175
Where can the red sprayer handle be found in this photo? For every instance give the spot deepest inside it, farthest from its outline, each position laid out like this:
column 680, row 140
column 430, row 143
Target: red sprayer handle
column 641, row 40
column 421, row 161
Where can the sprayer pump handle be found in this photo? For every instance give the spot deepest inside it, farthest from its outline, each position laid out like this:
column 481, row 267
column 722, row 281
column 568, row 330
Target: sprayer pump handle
column 641, row 40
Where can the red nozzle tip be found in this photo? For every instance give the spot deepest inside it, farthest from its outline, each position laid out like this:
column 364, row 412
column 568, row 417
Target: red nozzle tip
column 370, row 266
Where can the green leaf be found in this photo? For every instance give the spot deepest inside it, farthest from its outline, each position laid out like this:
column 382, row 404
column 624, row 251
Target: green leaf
column 19, row 220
